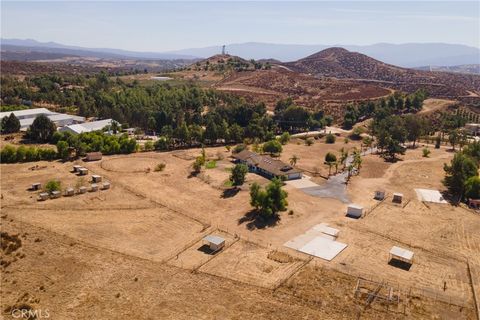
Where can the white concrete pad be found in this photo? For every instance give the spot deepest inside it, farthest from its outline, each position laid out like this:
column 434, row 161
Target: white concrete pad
column 323, row 248
column 428, row 195
column 304, row 182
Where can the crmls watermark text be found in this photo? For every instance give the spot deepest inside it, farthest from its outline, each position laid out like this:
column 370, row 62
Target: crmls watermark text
column 30, row 313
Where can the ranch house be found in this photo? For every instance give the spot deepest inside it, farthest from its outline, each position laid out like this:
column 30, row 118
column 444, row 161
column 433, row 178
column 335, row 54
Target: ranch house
column 267, row 166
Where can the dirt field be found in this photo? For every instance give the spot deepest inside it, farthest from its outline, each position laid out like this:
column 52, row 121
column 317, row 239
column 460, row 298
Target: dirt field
column 139, row 244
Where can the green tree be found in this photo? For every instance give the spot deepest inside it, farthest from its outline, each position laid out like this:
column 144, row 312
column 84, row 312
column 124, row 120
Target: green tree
column 284, row 138
column 53, row 185
column 10, row 124
column 42, row 129
column 62, row 150
column 238, row 174
column 472, row 188
column 269, row 201
column 272, row 147
column 330, row 160
column 461, row 168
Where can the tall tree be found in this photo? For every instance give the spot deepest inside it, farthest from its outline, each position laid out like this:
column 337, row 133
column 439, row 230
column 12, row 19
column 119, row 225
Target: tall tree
column 461, row 168
column 42, row 129
column 10, row 124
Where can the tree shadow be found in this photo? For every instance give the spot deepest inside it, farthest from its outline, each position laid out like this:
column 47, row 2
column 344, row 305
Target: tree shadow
column 193, row 174
column 254, row 220
column 230, row 192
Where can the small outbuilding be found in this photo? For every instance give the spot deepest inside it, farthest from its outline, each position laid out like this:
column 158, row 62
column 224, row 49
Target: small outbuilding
column 82, row 190
column 379, row 195
column 69, row 192
column 93, row 156
column 397, row 197
column 355, row 211
column 83, row 171
column 96, row 178
column 106, row 185
column 36, row 186
column 215, row 243
column 43, row 196
column 76, row 168
column 55, row 194
column 401, row 254
column 94, row 187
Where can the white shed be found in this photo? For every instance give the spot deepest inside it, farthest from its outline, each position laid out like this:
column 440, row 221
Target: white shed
column 96, row 178
column 82, row 189
column 105, row 185
column 76, row 168
column 94, row 187
column 355, row 211
column 214, row 242
column 69, row 192
column 55, row 194
column 43, row 196
column 401, row 254
column 83, row 171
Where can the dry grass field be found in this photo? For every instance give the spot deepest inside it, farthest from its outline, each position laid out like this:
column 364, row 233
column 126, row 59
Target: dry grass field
column 135, row 250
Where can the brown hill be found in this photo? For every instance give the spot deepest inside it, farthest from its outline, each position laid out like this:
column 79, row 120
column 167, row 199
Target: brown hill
column 341, row 63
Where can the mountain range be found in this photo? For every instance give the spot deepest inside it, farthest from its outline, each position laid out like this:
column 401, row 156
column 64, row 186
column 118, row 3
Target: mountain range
column 405, row 55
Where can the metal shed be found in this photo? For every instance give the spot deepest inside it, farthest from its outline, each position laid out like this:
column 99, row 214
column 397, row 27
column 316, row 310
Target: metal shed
column 96, row 178
column 214, row 242
column 93, row 156
column 83, row 171
column 106, row 185
column 355, row 211
column 379, row 195
column 43, row 196
column 397, row 197
column 55, row 194
column 36, row 186
column 69, row 192
column 94, row 187
column 76, row 168
column 82, row 189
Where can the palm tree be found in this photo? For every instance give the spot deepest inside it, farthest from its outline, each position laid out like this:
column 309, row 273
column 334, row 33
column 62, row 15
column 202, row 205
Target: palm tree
column 293, row 160
column 343, row 156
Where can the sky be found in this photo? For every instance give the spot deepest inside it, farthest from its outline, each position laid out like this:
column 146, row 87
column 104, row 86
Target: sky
column 163, row 26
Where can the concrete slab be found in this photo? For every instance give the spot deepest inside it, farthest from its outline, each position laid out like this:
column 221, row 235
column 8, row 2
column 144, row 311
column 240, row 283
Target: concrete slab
column 322, row 247
column 428, row 195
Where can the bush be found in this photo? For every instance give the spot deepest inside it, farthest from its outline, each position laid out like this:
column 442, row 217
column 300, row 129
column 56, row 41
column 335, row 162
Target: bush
column 426, row 152
column 211, row 164
column 239, row 148
column 472, row 188
column 160, row 167
column 309, row 141
column 284, row 138
column 53, row 185
column 330, row 138
column 148, row 146
column 62, row 150
column 8, row 154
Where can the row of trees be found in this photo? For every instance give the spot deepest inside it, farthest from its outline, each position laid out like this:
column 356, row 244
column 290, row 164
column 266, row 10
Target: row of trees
column 397, row 103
